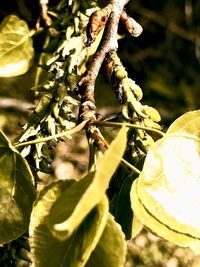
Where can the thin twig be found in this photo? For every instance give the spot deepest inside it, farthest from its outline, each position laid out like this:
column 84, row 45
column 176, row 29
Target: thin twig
column 74, row 130
column 135, row 126
column 130, row 166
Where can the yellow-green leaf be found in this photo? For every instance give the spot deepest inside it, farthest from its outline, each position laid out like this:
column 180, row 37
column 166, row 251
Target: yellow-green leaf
column 73, row 197
column 187, row 123
column 158, row 228
column 89, row 191
column 111, row 249
column 16, row 48
column 168, row 187
column 171, row 172
column 17, row 192
column 74, row 251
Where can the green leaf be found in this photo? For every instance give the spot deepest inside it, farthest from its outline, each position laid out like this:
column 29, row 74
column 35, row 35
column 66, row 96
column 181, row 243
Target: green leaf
column 111, row 249
column 17, row 192
column 187, row 123
column 158, row 228
column 72, row 195
column 123, row 212
column 87, row 193
column 16, row 48
column 171, row 172
column 169, row 184
column 49, row 251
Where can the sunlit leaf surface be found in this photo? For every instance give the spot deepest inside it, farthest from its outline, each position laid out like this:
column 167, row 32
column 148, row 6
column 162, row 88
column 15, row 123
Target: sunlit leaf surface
column 74, row 251
column 187, row 123
column 166, row 196
column 149, row 221
column 16, row 192
column 16, row 49
column 86, row 193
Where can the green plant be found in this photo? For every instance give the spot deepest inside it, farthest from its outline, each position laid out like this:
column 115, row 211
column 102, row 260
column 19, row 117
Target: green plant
column 141, row 178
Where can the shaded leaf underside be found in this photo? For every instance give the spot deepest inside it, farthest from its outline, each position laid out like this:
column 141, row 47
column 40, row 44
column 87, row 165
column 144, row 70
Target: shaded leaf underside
column 16, row 192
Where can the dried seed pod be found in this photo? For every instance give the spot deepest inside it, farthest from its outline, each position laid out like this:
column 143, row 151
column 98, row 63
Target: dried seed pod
column 97, row 21
column 55, row 110
column 51, row 125
column 43, row 102
column 61, row 93
column 132, row 26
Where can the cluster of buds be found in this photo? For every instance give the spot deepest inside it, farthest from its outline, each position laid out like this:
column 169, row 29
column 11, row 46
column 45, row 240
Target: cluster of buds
column 56, row 107
column 129, row 95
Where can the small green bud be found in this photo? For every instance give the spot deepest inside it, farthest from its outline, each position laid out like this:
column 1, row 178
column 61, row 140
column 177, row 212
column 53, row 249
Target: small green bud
column 149, row 123
column 120, row 73
column 152, row 113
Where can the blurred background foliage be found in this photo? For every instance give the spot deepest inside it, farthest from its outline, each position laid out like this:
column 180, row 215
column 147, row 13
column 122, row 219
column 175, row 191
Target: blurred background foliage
column 164, row 61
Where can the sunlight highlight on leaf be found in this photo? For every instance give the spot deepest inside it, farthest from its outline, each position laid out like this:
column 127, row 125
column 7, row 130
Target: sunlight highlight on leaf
column 166, row 193
column 89, row 191
column 46, row 249
column 16, row 49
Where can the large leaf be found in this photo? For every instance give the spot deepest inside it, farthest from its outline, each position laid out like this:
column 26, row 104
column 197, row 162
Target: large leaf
column 65, row 205
column 175, row 162
column 16, row 49
column 153, row 224
column 169, row 185
column 111, row 249
column 187, row 123
column 17, row 192
column 49, row 251
column 87, row 193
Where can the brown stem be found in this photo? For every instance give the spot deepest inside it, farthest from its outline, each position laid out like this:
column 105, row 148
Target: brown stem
column 108, row 43
column 87, row 83
column 43, row 12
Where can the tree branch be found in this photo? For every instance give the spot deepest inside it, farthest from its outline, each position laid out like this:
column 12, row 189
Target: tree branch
column 108, row 43
column 87, row 83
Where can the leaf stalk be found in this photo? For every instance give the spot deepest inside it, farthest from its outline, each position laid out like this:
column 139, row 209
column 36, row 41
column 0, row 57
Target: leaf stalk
column 74, row 130
column 130, row 125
